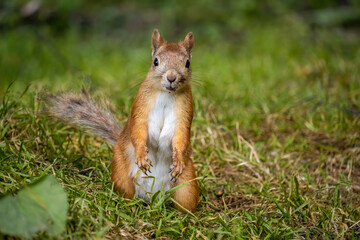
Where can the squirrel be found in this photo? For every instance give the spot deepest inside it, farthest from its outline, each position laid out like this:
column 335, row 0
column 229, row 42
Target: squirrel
column 156, row 136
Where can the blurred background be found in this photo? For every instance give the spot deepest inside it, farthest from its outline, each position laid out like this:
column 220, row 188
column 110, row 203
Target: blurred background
column 211, row 20
column 259, row 53
column 276, row 88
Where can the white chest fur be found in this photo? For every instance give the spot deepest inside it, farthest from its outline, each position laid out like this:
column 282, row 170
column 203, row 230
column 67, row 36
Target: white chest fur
column 161, row 122
column 161, row 129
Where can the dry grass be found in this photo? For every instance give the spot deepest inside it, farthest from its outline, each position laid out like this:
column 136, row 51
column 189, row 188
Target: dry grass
column 276, row 131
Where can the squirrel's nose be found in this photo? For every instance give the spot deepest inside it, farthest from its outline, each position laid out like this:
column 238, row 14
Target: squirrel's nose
column 171, row 77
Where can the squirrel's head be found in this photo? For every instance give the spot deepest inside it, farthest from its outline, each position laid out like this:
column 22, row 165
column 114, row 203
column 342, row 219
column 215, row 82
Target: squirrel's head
column 171, row 70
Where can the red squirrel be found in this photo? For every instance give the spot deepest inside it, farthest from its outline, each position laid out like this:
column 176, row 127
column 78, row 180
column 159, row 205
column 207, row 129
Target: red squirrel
column 156, row 136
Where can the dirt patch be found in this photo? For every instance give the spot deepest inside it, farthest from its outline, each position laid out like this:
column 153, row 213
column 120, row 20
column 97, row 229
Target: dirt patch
column 238, row 201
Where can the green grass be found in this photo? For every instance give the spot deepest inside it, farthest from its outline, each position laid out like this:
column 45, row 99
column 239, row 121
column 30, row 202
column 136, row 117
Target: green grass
column 276, row 124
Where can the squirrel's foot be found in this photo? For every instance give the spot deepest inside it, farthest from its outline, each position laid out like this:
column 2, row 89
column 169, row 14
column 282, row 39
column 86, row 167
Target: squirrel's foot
column 176, row 168
column 143, row 162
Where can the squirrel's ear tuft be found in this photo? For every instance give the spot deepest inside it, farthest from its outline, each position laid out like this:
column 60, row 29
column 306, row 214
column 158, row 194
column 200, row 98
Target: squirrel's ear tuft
column 189, row 43
column 156, row 41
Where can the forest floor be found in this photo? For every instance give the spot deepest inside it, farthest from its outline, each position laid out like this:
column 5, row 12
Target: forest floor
column 276, row 126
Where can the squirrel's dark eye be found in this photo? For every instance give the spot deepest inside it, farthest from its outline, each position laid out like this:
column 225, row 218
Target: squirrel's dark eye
column 156, row 62
column 187, row 65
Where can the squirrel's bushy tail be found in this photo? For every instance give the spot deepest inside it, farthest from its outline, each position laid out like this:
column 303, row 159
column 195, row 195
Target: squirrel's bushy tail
column 80, row 110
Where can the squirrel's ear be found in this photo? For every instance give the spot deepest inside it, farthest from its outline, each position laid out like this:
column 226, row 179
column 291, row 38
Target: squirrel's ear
column 156, row 41
column 189, row 43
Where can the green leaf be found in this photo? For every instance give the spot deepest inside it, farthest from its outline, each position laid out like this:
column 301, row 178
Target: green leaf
column 39, row 207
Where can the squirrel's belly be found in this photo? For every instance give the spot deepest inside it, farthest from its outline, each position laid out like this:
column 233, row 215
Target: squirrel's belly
column 159, row 176
column 161, row 129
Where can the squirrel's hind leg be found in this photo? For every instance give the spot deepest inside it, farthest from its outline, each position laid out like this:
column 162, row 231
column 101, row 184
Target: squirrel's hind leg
column 120, row 172
column 188, row 195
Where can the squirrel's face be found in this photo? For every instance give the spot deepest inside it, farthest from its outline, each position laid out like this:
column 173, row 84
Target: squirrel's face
column 171, row 68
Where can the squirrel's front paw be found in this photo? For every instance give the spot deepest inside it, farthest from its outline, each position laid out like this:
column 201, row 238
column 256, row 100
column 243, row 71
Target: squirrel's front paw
column 176, row 168
column 143, row 161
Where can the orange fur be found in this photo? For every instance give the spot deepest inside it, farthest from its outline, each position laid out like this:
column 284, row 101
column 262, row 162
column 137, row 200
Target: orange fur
column 135, row 133
column 188, row 195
